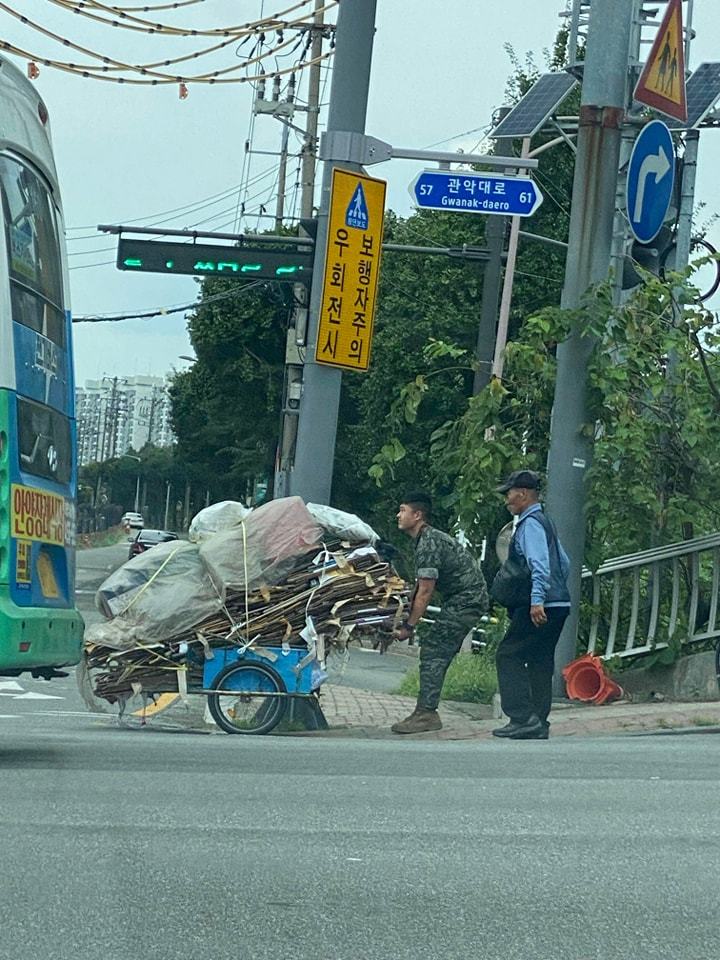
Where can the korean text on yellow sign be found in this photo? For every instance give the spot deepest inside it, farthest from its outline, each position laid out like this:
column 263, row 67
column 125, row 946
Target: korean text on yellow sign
column 352, row 270
column 37, row 515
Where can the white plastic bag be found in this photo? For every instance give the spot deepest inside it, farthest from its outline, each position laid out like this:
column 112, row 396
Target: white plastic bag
column 218, row 516
column 344, row 525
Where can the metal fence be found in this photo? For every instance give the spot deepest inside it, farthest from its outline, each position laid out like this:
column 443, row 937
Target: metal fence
column 650, row 600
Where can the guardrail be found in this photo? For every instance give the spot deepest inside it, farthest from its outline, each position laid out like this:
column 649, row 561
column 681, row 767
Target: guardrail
column 646, row 601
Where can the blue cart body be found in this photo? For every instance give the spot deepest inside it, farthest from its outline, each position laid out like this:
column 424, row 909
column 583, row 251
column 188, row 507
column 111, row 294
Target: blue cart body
column 285, row 665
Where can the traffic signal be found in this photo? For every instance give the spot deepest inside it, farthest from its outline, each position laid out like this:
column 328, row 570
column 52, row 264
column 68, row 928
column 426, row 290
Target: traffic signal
column 650, row 256
column 209, row 259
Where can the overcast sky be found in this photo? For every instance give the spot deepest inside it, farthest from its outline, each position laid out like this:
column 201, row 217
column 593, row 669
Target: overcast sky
column 139, row 153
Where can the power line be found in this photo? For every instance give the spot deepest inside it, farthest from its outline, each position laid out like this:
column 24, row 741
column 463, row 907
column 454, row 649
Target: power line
column 128, row 22
column 166, row 311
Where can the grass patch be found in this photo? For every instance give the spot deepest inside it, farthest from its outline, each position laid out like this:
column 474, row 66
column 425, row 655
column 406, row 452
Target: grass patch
column 471, row 678
column 703, row 722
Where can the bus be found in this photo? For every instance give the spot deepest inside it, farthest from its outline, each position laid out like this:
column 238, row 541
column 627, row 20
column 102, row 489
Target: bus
column 40, row 628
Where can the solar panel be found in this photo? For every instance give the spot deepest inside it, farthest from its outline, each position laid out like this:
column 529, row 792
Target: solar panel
column 702, row 91
column 540, row 102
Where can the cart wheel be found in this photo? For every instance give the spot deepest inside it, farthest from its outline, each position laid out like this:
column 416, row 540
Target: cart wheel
column 245, row 711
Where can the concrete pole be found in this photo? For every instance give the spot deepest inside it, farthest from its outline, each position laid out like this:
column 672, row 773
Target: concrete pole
column 603, row 103
column 293, row 369
column 317, row 424
column 309, row 151
column 282, row 179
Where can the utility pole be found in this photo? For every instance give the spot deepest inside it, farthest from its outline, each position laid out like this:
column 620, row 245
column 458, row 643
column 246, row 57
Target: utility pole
column 309, row 150
column 298, row 323
column 284, row 140
column 604, row 97
column 317, row 424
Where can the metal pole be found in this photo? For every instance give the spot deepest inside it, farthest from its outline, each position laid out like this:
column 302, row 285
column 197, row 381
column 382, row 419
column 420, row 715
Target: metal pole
column 504, row 319
column 683, row 240
column 604, row 97
column 137, row 494
column 167, row 504
column 317, row 424
column 495, row 240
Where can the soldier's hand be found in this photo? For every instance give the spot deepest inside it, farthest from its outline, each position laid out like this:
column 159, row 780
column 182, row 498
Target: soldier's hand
column 537, row 614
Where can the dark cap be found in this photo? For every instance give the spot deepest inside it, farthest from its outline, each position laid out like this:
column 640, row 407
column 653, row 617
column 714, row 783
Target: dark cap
column 523, row 479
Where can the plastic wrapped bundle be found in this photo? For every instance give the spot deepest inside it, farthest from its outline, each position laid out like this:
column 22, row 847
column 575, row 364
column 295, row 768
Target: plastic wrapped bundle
column 264, row 548
column 160, row 593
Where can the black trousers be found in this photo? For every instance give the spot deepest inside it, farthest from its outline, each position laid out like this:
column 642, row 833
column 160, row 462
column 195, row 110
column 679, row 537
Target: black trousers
column 525, row 662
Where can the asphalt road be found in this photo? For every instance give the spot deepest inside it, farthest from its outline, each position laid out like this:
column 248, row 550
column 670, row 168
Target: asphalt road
column 120, row 843
column 131, row 841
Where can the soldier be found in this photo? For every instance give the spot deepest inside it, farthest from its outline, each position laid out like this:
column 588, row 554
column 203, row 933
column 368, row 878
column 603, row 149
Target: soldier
column 440, row 561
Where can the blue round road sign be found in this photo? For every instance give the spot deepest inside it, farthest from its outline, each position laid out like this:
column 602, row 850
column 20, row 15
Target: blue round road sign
column 650, row 180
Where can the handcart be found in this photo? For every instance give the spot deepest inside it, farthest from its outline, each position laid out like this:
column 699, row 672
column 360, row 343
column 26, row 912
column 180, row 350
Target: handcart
column 248, row 691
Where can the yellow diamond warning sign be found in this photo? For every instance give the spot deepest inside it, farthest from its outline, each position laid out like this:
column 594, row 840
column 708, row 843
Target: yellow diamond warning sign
column 352, row 269
column 662, row 82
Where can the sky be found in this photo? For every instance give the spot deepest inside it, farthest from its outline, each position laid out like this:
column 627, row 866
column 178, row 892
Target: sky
column 140, row 153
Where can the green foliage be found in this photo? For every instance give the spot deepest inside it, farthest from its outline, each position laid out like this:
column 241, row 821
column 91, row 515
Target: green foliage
column 471, row 678
column 226, row 407
column 653, row 411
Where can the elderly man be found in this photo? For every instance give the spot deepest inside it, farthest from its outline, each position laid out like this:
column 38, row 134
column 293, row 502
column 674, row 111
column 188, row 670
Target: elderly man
column 440, row 561
column 525, row 656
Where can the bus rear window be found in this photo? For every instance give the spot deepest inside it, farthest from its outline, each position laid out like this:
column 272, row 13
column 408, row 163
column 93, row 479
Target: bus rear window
column 31, row 236
column 44, row 443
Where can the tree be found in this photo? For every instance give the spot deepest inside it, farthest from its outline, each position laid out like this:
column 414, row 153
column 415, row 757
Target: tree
column 226, row 407
column 654, row 404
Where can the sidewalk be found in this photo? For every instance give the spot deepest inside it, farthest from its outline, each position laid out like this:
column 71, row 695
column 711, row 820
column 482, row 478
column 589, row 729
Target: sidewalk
column 361, row 713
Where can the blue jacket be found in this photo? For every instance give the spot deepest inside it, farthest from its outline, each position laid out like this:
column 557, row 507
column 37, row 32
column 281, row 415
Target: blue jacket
column 535, row 541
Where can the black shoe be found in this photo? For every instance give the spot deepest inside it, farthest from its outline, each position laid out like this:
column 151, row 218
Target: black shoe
column 509, row 729
column 532, row 729
column 543, row 734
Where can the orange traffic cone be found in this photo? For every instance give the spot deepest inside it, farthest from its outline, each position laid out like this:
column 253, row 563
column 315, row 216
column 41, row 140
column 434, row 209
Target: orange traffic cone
column 586, row 680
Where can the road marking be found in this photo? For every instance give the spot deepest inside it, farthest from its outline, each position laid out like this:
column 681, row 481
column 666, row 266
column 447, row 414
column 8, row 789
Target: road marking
column 164, row 701
column 10, row 685
column 31, row 695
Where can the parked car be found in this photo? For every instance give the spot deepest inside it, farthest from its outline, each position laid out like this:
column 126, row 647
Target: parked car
column 133, row 520
column 148, row 538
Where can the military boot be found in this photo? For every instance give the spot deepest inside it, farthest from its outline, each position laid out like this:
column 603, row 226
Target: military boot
column 419, row 721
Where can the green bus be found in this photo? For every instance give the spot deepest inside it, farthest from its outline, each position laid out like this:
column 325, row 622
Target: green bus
column 40, row 628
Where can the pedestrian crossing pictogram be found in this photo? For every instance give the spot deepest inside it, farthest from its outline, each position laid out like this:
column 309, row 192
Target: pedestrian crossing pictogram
column 357, row 211
column 662, row 82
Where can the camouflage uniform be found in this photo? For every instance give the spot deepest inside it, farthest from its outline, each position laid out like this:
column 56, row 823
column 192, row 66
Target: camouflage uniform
column 464, row 599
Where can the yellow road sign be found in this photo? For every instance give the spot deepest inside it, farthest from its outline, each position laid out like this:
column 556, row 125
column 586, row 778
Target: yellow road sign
column 662, row 82
column 352, row 269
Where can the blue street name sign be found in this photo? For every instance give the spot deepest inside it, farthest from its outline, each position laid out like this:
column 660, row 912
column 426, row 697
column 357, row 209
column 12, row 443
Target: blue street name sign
column 650, row 179
column 476, row 193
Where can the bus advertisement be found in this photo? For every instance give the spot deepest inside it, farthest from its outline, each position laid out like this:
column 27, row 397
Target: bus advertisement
column 40, row 627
